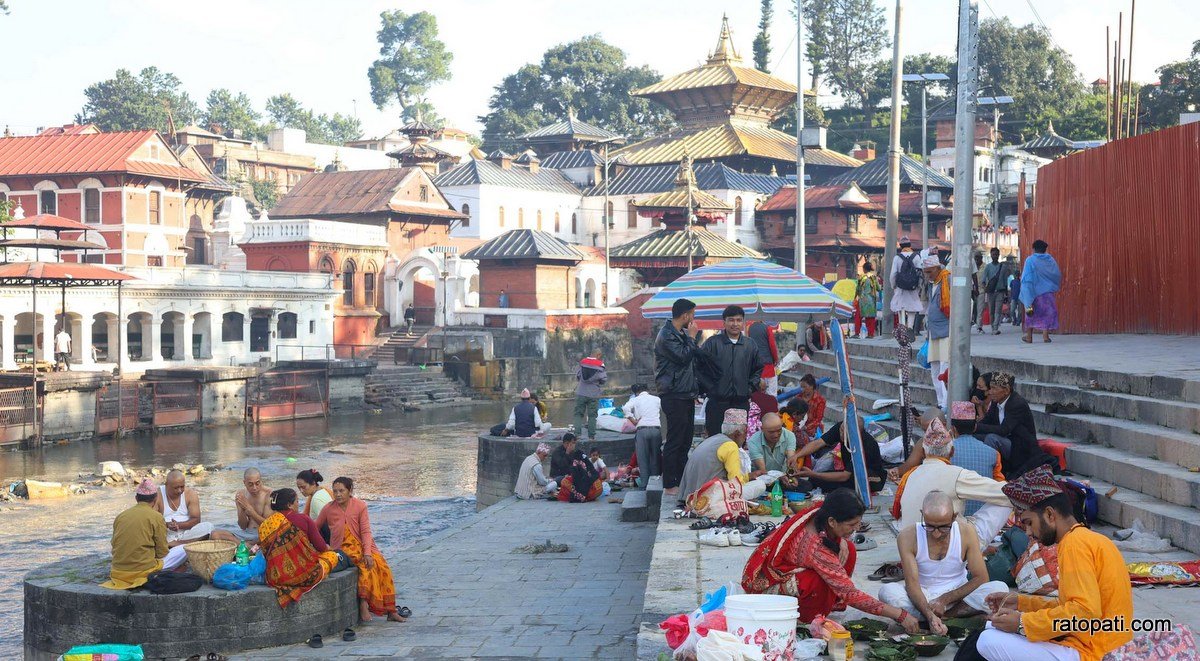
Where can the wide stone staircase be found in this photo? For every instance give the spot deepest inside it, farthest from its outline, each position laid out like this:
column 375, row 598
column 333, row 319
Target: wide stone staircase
column 413, row 387
column 397, row 338
column 1139, row 444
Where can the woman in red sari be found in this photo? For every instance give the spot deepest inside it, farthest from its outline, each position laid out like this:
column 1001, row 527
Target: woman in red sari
column 350, row 533
column 809, row 557
column 816, row 404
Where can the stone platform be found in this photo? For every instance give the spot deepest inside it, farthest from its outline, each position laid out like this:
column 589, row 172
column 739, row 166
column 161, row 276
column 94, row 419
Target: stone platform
column 65, row 606
column 498, row 460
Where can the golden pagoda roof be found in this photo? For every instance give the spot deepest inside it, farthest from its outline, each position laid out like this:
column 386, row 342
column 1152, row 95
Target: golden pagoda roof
column 686, row 194
column 729, row 139
column 699, row 242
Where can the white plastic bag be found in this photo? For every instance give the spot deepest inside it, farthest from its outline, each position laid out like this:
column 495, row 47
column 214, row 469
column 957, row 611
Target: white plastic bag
column 789, row 361
column 722, row 646
column 1139, row 539
column 808, row 648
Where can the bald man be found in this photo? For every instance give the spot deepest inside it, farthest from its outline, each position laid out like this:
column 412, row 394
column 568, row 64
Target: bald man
column 253, row 505
column 944, row 572
column 772, row 448
column 180, row 507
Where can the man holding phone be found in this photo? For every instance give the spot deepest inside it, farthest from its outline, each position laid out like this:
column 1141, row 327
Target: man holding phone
column 675, row 374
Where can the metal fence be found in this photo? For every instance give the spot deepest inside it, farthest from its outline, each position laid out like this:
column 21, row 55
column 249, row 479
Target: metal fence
column 323, row 351
column 175, row 403
column 118, row 407
column 16, row 414
column 289, row 395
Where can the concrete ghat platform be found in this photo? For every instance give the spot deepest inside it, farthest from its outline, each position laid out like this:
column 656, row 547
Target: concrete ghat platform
column 65, row 606
column 498, row 460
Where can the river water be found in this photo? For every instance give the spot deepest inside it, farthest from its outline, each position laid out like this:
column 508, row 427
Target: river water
column 415, row 470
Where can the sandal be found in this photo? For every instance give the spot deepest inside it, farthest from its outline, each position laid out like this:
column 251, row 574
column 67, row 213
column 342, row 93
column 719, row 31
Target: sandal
column 864, row 527
column 703, row 524
column 315, row 641
column 405, row 612
column 880, row 572
column 893, row 574
column 348, row 635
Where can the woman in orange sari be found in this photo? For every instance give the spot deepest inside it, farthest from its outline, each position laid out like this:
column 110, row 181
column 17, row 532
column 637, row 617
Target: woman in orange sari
column 350, row 532
column 297, row 557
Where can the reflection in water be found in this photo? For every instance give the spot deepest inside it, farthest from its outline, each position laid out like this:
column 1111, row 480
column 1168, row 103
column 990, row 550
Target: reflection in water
column 416, row 470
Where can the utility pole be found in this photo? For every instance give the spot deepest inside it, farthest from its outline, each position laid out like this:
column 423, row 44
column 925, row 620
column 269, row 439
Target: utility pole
column 893, row 187
column 924, row 79
column 691, row 213
column 995, row 102
column 604, row 214
column 800, row 262
column 964, row 183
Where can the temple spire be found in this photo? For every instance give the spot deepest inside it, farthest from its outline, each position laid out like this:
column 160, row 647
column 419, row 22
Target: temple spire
column 724, row 52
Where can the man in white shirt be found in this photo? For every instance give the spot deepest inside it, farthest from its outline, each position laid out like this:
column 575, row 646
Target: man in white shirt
column 644, row 410
column 62, row 349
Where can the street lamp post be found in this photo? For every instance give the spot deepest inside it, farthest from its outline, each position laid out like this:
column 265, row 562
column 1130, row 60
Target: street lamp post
column 995, row 102
column 892, row 212
column 925, row 79
column 800, row 262
column 604, row 214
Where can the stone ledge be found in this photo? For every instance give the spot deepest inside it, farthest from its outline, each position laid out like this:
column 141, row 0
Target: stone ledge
column 65, row 606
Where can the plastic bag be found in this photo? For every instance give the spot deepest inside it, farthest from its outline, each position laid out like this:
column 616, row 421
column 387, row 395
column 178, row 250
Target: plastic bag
column 1037, row 570
column 721, row 646
column 232, row 576
column 806, row 648
column 1139, row 539
column 258, row 569
column 123, row 652
column 923, row 355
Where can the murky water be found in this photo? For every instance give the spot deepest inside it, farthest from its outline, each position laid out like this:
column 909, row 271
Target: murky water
column 417, row 472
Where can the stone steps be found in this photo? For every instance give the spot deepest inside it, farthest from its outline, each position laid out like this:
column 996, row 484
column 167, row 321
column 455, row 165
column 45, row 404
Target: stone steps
column 1146, row 463
column 643, row 505
column 413, row 387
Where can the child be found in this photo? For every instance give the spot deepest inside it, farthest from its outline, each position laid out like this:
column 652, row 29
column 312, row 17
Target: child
column 598, row 463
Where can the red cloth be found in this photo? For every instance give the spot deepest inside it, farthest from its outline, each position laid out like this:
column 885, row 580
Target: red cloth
column 592, row 362
column 306, row 525
column 816, row 414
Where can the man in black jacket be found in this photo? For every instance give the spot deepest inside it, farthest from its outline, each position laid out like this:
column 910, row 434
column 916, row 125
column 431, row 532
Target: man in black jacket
column 741, row 362
column 1008, row 428
column 675, row 374
column 561, row 457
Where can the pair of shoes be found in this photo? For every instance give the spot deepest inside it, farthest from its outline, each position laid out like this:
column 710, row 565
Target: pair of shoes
column 995, row 332
column 721, row 537
column 760, row 532
column 882, row 572
column 862, row 542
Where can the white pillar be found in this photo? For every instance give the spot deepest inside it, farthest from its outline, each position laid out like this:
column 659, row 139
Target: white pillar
column 183, row 338
column 82, row 343
column 48, row 338
column 245, row 347
column 8, row 327
column 151, row 328
column 118, row 344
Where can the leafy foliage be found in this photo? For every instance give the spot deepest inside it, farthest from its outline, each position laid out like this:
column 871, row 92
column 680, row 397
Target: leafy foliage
column 234, row 114
column 127, row 102
column 265, row 192
column 1178, row 92
column 843, row 40
column 424, row 110
column 762, row 40
column 412, row 58
column 588, row 76
column 337, row 129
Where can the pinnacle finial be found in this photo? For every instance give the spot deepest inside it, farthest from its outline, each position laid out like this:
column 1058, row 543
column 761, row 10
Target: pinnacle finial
column 1050, row 126
column 724, row 52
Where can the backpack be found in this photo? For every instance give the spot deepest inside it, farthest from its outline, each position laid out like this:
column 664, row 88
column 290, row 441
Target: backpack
column 1085, row 495
column 909, row 277
column 173, row 582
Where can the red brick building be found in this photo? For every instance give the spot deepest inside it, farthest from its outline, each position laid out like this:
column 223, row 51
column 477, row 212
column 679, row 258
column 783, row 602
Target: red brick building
column 534, row 269
column 842, row 228
column 131, row 186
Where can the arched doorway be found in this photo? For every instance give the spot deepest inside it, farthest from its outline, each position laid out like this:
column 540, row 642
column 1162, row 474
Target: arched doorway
column 104, row 337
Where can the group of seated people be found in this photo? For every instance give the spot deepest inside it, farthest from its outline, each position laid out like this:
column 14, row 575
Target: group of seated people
column 302, row 543
column 575, row 477
column 527, row 419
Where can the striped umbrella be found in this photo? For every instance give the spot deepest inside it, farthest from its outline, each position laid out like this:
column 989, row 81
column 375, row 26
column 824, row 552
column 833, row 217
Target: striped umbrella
column 766, row 291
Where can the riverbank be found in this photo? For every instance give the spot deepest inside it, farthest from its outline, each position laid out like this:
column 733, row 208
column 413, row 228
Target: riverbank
column 474, row 594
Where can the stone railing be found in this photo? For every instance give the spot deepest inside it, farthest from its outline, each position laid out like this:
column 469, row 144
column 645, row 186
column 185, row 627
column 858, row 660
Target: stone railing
column 304, row 229
column 207, row 277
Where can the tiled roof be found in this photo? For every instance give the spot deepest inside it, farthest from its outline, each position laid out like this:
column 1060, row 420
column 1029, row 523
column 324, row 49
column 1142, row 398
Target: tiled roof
column 1050, row 140
column 70, row 129
column 479, row 171
column 354, row 192
column 580, row 158
column 716, row 75
column 729, row 140
column 526, row 244
column 697, row 241
column 571, row 127
column 643, row 179
column 88, row 153
column 910, row 205
column 874, row 174
column 816, row 197
column 678, row 199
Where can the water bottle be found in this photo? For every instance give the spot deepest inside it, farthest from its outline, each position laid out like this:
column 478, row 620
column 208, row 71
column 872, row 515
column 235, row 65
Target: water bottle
column 242, row 555
column 776, row 500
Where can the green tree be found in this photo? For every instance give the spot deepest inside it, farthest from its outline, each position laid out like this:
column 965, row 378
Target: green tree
column 234, row 114
column 337, row 129
column 1023, row 62
column 1085, row 120
column 412, row 58
column 814, row 115
column 265, row 192
column 127, row 102
column 587, row 76
column 1178, row 91
column 843, row 40
column 424, row 110
column 762, row 41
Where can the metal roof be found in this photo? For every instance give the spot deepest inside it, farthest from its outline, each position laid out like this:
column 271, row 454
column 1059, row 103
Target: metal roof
column 580, row 158
column 526, row 244
column 356, row 192
column 90, row 153
column 874, row 174
column 571, row 127
column 60, row 273
column 678, row 199
column 818, row 197
column 1049, row 141
column 644, row 179
column 478, row 171
column 728, row 139
column 910, row 205
column 699, row 242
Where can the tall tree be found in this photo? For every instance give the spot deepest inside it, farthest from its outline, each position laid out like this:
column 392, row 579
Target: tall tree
column 762, row 41
column 127, row 102
column 844, row 38
column 234, row 114
column 285, row 111
column 1177, row 91
column 412, row 58
column 1024, row 63
column 424, row 110
column 589, row 77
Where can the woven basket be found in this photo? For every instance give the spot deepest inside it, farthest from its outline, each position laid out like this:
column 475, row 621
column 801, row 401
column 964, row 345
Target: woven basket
column 204, row 557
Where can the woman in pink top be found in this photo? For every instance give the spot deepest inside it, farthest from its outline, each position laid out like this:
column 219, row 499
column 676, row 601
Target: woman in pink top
column 350, row 532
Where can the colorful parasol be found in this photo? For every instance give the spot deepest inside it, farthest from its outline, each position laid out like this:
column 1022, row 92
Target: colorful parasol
column 844, row 289
column 767, row 292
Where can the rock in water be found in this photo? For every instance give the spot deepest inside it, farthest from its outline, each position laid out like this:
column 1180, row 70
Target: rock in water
column 110, row 468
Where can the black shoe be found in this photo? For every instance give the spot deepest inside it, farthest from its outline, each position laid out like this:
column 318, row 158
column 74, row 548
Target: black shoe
column 315, row 641
column 348, row 635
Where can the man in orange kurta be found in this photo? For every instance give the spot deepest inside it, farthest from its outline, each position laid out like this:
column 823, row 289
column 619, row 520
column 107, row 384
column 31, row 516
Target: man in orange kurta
column 1093, row 586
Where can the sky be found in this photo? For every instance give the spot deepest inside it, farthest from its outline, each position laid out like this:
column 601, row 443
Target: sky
column 320, row 51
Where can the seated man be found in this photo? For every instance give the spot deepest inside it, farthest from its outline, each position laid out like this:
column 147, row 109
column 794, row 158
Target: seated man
column 917, row 455
column 772, row 448
column 180, row 507
column 524, row 421
column 830, row 465
column 936, row 473
column 719, row 456
column 937, row 558
column 1093, row 584
column 531, row 480
column 561, row 458
column 139, row 543
column 1008, row 428
column 253, row 506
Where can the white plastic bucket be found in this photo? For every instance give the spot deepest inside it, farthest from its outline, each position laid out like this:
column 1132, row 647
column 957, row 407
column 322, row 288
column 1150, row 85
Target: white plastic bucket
column 766, row 621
